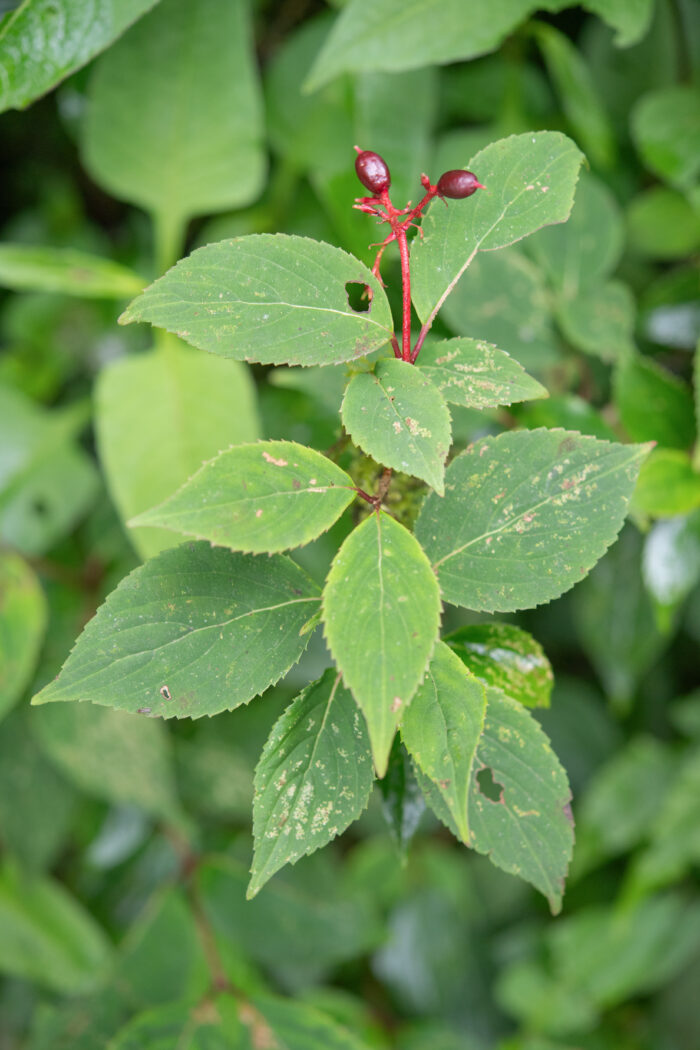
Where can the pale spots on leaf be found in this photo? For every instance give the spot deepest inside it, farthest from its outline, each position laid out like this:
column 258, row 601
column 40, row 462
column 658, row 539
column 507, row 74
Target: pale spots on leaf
column 275, row 462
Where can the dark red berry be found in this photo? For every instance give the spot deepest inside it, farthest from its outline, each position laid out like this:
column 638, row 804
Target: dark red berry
column 372, row 171
column 458, row 184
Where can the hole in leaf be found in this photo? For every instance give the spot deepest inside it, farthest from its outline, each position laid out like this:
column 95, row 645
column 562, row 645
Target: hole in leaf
column 489, row 787
column 358, row 297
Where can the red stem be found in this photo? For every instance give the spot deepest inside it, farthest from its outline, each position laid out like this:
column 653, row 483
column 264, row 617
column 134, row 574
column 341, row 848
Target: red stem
column 406, row 289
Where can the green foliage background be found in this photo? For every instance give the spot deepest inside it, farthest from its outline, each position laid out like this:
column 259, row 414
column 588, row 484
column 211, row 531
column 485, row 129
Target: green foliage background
column 125, row 843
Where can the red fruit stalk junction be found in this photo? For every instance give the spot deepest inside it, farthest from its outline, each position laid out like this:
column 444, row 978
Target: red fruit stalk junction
column 373, row 173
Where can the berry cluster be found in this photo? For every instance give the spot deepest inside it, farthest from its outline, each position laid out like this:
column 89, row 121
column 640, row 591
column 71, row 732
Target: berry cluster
column 373, row 173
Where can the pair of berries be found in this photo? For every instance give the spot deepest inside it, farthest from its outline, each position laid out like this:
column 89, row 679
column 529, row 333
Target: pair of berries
column 373, row 173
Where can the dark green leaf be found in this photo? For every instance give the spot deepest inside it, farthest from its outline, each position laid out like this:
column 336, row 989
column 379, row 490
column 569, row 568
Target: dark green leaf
column 398, row 417
column 381, row 610
column 441, row 730
column 194, row 631
column 507, row 657
column 654, row 404
column 26, row 268
column 403, row 804
column 313, row 779
column 526, row 515
column 22, row 625
column 271, row 298
column 212, row 1025
column 475, row 374
column 265, row 497
column 43, row 41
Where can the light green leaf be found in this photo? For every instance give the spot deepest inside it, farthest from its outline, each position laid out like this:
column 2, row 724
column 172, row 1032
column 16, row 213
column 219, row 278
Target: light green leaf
column 270, row 298
column 24, row 267
column 507, row 657
column 313, row 779
column 526, row 515
column 475, row 374
column 519, row 800
column 297, row 1026
column 668, row 484
column 194, row 631
column 503, row 298
column 629, row 18
column 381, row 610
column 47, row 482
column 264, row 497
column 581, row 252
column 663, row 224
column 530, row 181
column 578, row 93
column 43, row 41
column 213, row 1025
column 394, row 34
column 174, row 122
column 441, row 730
column 110, row 755
column 398, row 417
column 665, row 126
column 22, row 624
column 654, row 404
column 47, row 937
column 600, row 320
column 160, row 415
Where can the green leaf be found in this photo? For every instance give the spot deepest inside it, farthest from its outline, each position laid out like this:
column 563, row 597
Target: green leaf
column 392, row 35
column 663, row 224
column 43, row 41
column 398, row 417
column 313, row 779
column 525, row 516
column 47, row 483
column 24, row 267
column 503, row 298
column 441, row 730
column 580, row 100
column 264, row 497
column 629, row 18
column 654, row 404
column 507, row 657
column 600, row 320
column 665, row 126
column 22, row 625
column 519, row 799
column 212, row 1025
column 381, row 611
column 110, row 755
column 568, row 411
column 270, row 298
column 194, row 631
column 46, row 936
column 160, row 415
column 475, row 374
column 403, row 804
column 296, row 1026
column 174, row 121
column 668, row 485
column 530, row 181
column 581, row 252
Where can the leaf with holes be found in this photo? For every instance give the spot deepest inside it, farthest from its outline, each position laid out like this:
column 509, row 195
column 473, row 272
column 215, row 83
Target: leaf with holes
column 264, row 497
column 313, row 779
column 519, row 799
column 530, row 181
column 194, row 631
column 504, row 655
column 399, row 418
column 526, row 515
column 475, row 374
column 272, row 298
column 441, row 730
column 381, row 610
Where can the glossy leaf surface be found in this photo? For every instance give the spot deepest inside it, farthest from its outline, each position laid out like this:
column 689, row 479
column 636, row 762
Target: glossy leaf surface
column 272, row 298
column 442, row 728
column 507, row 657
column 194, row 631
column 476, row 374
column 381, row 609
column 530, row 181
column 313, row 779
column 400, row 418
column 525, row 516
column 264, row 497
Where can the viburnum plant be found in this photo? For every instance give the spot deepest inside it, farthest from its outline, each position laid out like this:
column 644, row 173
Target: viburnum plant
column 513, row 521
